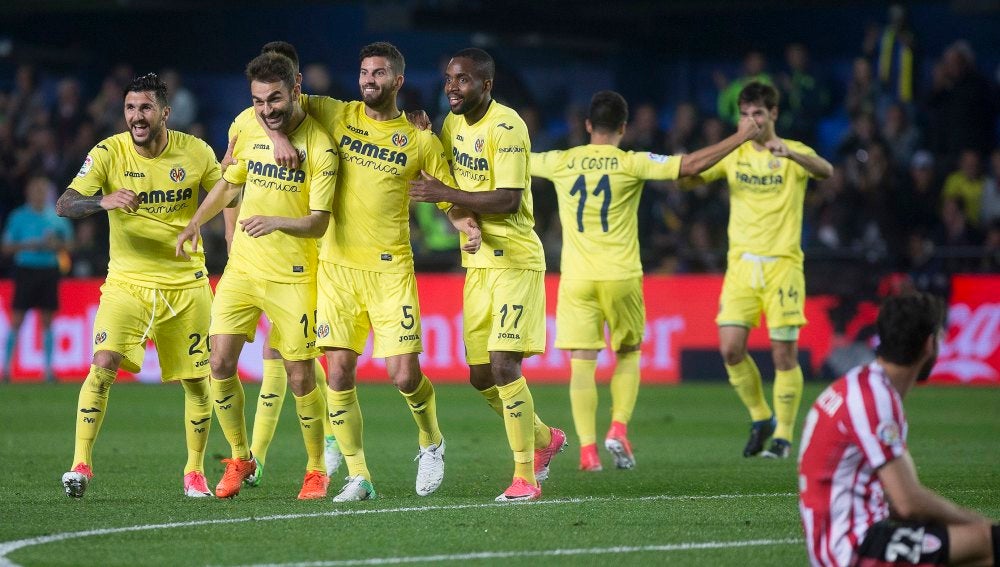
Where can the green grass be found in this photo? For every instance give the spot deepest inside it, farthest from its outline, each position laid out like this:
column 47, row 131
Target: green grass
column 691, row 485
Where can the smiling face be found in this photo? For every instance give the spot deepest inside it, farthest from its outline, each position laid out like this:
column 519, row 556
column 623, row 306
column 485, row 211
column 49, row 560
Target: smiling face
column 145, row 118
column 378, row 82
column 467, row 91
column 274, row 103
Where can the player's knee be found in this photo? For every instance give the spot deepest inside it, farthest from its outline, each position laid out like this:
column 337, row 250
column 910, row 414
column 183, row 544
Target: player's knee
column 732, row 354
column 107, row 359
column 221, row 366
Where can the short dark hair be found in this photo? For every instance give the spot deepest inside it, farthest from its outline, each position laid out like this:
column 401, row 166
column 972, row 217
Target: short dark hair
column 387, row 50
column 150, row 82
column 904, row 323
column 282, row 48
column 608, row 111
column 271, row 67
column 484, row 64
column 756, row 92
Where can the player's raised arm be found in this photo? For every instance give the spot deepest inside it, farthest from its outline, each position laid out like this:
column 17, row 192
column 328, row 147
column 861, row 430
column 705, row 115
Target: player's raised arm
column 698, row 161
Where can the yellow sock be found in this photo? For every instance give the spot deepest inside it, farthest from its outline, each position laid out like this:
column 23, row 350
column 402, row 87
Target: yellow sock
column 197, row 422
column 543, row 435
column 787, row 395
column 229, row 402
column 519, row 411
column 324, row 390
column 310, row 408
column 625, row 386
column 348, row 426
column 745, row 378
column 91, row 407
column 492, row 396
column 273, row 387
column 583, row 398
column 423, row 406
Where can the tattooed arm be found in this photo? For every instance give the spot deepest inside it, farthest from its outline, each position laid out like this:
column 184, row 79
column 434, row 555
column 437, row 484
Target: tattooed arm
column 74, row 205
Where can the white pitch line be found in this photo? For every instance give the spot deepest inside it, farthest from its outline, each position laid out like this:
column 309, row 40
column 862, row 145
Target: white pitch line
column 539, row 553
column 9, row 547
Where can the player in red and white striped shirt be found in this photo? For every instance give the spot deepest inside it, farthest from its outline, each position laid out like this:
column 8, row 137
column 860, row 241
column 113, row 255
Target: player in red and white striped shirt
column 859, row 496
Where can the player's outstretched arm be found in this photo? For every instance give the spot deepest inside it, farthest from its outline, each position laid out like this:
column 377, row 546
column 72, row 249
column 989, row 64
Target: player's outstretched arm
column 72, row 204
column 312, row 225
column 429, row 189
column 465, row 221
column 697, row 162
column 910, row 500
column 220, row 195
column 815, row 165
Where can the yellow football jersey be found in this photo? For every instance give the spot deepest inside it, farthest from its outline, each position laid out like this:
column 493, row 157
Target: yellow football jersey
column 271, row 190
column 598, row 187
column 766, row 195
column 370, row 227
column 485, row 156
column 142, row 243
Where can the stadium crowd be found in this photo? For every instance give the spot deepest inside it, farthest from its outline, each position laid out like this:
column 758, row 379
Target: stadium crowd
column 916, row 188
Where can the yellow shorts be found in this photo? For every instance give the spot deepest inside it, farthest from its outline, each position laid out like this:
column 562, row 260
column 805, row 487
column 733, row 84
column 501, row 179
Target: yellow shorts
column 754, row 284
column 291, row 308
column 504, row 310
column 352, row 301
column 585, row 305
column 176, row 320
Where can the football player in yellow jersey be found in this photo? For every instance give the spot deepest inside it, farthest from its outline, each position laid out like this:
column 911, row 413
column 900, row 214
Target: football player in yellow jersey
column 274, row 382
column 272, row 267
column 767, row 179
column 504, row 295
column 148, row 180
column 598, row 188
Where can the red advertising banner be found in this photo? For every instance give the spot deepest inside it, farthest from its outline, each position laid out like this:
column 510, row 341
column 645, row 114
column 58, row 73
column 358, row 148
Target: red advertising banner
column 970, row 353
column 680, row 316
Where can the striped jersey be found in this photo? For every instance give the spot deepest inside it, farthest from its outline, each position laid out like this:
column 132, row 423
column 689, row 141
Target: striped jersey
column 856, row 426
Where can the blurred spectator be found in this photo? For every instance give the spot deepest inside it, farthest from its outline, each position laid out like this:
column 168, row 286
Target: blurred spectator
column 700, row 255
column 990, row 207
column 754, row 69
column 37, row 238
column 967, row 184
column 832, row 213
column 894, row 51
column 435, row 239
column 106, row 108
column 25, row 102
column 683, row 133
column 854, row 148
column 805, row 96
column 957, row 235
column 924, row 268
column 900, row 134
column 712, row 132
column 68, row 113
column 643, row 133
column 862, row 90
column 90, row 254
column 576, row 131
column 991, row 249
column 876, row 215
column 918, row 197
column 962, row 114
column 40, row 156
column 316, row 80
column 183, row 104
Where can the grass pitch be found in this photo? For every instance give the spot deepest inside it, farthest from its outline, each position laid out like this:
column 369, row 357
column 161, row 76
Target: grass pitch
column 692, row 499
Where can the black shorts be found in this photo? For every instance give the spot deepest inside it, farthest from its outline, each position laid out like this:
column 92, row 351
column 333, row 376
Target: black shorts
column 36, row 288
column 903, row 543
